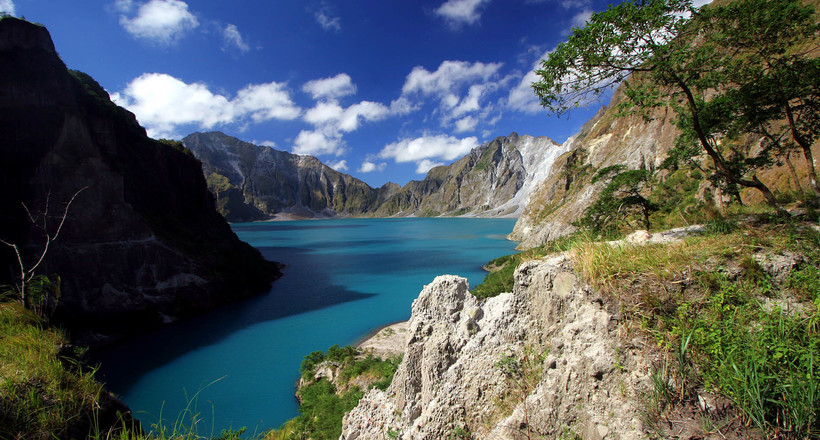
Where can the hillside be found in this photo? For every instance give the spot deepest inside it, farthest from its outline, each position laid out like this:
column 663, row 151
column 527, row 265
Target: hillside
column 254, row 182
column 141, row 244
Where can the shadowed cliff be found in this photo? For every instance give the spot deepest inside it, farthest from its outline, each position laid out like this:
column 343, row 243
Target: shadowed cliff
column 142, row 244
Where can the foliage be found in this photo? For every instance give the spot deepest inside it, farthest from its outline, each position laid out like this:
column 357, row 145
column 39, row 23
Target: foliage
column 621, row 199
column 500, row 279
column 523, row 373
column 324, row 404
column 691, row 60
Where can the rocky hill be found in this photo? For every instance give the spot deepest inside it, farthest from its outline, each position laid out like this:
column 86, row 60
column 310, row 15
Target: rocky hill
column 253, row 182
column 141, row 244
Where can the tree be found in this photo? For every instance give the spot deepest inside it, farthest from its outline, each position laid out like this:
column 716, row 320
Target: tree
column 620, row 199
column 666, row 53
column 776, row 81
column 27, row 273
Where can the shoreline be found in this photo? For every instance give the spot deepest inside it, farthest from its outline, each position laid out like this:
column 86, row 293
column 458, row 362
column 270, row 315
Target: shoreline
column 386, row 341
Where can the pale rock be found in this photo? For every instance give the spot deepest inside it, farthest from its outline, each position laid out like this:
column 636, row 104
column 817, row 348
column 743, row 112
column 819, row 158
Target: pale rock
column 449, row 377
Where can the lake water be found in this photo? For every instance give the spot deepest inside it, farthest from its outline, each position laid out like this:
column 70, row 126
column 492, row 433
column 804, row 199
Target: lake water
column 345, row 278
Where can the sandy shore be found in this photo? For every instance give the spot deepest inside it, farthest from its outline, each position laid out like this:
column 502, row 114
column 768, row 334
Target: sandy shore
column 387, row 341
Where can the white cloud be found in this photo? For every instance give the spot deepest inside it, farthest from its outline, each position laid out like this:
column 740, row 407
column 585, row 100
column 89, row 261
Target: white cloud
column 331, row 120
column 466, row 124
column 369, row 167
column 423, row 150
column 331, row 88
column 459, row 12
column 271, row 144
column 163, row 103
column 579, row 20
column 695, row 3
column 318, row 143
column 161, row 21
column 265, row 101
column 461, row 89
column 232, row 37
column 7, row 6
column 327, row 19
column 340, row 166
column 450, row 74
column 522, row 97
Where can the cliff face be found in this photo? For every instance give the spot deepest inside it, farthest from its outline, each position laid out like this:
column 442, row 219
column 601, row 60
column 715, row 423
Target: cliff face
column 605, row 140
column 540, row 362
column 493, row 180
column 252, row 182
column 142, row 244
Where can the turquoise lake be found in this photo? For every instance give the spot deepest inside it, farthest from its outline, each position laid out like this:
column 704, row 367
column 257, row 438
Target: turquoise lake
column 344, row 279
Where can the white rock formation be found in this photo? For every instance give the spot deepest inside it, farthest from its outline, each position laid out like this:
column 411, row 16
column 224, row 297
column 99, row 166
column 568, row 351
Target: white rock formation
column 584, row 378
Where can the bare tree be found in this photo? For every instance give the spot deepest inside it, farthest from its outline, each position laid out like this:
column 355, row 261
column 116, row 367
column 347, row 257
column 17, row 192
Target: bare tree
column 40, row 222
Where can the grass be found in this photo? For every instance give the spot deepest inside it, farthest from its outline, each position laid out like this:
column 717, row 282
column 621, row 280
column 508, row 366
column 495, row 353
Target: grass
column 727, row 326
column 42, row 394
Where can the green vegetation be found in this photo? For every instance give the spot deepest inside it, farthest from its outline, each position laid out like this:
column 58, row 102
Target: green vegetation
column 323, row 403
column 43, row 394
column 721, row 68
column 725, row 323
column 621, row 200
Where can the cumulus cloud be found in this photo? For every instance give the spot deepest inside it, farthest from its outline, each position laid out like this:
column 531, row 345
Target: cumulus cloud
column 428, row 151
column 330, row 88
column 369, row 167
column 331, row 120
column 233, row 38
column 161, row 21
column 319, row 143
column 461, row 89
column 449, row 75
column 163, row 103
column 522, row 97
column 7, row 6
column 422, row 167
column 458, row 12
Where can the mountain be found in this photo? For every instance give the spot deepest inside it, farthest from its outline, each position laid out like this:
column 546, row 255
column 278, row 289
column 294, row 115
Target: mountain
column 141, row 244
column 253, row 182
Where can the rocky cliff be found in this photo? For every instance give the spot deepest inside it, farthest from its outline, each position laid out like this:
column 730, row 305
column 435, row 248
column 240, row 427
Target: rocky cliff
column 253, row 182
column 494, row 180
column 543, row 361
column 606, row 139
column 141, row 244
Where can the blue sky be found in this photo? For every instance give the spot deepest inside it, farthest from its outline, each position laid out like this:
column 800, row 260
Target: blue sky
column 380, row 89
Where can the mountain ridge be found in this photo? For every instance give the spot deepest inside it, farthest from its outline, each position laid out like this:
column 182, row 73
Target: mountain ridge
column 253, row 182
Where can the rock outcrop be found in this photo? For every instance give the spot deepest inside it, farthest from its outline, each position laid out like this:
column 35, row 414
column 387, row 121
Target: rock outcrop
column 607, row 139
column 254, row 182
column 543, row 361
column 142, row 244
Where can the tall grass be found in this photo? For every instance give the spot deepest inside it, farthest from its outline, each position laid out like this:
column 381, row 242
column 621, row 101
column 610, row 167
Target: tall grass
column 704, row 300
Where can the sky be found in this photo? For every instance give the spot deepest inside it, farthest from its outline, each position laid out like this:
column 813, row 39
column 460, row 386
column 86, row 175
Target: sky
column 380, row 89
